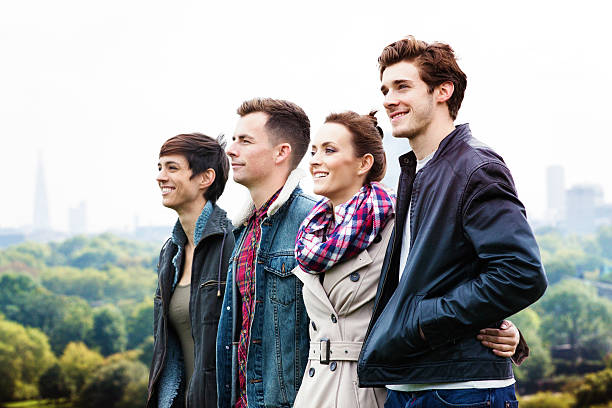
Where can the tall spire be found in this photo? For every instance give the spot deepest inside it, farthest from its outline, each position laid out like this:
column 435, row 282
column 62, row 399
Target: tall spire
column 41, row 206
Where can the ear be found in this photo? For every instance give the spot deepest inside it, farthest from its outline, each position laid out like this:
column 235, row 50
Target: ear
column 282, row 153
column 444, row 91
column 207, row 177
column 367, row 160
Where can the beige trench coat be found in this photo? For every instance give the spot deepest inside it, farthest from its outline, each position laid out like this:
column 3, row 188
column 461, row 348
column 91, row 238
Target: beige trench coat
column 340, row 311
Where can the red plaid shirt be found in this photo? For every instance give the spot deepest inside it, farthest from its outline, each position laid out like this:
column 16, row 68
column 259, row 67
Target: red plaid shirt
column 245, row 277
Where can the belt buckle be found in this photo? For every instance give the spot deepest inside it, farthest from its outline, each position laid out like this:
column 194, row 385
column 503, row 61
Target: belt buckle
column 324, row 351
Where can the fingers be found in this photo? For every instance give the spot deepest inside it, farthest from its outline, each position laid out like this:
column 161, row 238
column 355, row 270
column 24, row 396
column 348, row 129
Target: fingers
column 498, row 346
column 502, row 341
column 506, row 354
column 496, row 339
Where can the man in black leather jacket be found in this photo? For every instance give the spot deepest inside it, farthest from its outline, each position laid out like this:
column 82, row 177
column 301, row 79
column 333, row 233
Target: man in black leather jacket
column 463, row 256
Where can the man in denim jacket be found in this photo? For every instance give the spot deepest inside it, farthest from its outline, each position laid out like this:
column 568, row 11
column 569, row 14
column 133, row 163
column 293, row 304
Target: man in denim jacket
column 262, row 341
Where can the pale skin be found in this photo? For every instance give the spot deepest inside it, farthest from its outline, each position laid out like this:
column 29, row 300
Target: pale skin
column 185, row 195
column 423, row 118
column 257, row 163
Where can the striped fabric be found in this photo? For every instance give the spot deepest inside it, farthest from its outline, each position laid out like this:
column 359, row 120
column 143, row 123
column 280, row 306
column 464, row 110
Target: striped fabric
column 320, row 243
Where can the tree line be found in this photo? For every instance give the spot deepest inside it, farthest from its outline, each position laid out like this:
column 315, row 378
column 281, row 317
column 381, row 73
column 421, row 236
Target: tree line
column 76, row 320
column 76, row 315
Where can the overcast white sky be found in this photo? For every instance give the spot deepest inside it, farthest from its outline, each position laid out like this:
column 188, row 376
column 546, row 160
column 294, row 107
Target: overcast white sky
column 99, row 86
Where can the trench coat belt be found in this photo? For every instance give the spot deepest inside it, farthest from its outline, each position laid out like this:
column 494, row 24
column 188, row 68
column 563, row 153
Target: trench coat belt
column 338, row 350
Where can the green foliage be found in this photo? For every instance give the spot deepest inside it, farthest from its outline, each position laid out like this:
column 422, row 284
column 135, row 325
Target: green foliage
column 108, row 334
column 147, row 350
column 78, row 363
column 24, row 355
column 596, row 389
column 575, row 315
column 86, row 283
column 52, row 383
column 140, row 323
column 62, row 318
column 96, row 286
column 538, row 365
column 104, row 251
column 604, row 239
column 121, row 384
column 547, row 400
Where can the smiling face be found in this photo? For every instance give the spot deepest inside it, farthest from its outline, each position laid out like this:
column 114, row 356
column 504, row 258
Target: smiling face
column 337, row 174
column 251, row 153
column 179, row 190
column 408, row 102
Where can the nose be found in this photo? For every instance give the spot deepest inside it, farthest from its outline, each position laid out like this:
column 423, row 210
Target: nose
column 232, row 151
column 390, row 100
column 162, row 175
column 314, row 159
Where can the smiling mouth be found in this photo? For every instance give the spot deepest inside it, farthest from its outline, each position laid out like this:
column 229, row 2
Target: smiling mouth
column 319, row 174
column 397, row 115
column 166, row 190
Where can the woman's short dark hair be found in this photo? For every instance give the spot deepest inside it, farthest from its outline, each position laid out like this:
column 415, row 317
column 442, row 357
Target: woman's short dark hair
column 202, row 153
column 367, row 138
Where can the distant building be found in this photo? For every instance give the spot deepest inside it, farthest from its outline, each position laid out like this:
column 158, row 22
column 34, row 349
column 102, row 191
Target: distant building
column 41, row 205
column 394, row 147
column 583, row 202
column 155, row 234
column 555, row 194
column 77, row 219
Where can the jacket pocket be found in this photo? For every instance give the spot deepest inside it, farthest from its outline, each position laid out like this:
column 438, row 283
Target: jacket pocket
column 471, row 397
column 282, row 285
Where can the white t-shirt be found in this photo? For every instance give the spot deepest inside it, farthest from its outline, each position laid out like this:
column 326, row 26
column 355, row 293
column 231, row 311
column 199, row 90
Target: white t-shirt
column 436, row 386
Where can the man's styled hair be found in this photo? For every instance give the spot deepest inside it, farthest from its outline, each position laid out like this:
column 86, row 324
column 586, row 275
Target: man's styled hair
column 366, row 138
column 287, row 122
column 436, row 63
column 202, row 153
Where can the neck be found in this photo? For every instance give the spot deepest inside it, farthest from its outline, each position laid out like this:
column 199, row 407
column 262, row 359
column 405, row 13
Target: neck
column 189, row 216
column 427, row 142
column 346, row 196
column 262, row 192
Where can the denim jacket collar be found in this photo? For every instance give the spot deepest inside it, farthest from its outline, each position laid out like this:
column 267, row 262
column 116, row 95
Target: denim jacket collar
column 292, row 182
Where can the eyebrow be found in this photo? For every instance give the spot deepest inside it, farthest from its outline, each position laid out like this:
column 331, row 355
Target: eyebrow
column 323, row 144
column 167, row 163
column 395, row 83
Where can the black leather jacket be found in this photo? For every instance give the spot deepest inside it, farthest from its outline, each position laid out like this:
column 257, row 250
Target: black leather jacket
column 473, row 262
column 208, row 274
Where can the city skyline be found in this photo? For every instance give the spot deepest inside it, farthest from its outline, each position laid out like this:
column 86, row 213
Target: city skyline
column 557, row 193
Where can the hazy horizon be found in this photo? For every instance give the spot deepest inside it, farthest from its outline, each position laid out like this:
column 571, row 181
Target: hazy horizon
column 98, row 87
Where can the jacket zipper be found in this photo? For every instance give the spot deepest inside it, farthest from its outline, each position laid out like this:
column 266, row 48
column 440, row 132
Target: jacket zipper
column 391, row 257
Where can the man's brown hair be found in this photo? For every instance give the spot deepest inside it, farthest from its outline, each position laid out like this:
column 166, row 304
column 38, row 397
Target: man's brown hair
column 202, row 153
column 287, row 122
column 366, row 138
column 436, row 63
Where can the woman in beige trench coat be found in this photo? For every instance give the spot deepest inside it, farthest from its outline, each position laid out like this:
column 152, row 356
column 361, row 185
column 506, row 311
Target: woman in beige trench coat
column 339, row 290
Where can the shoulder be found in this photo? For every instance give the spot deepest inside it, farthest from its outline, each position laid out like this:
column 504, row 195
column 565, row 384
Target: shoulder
column 166, row 253
column 302, row 201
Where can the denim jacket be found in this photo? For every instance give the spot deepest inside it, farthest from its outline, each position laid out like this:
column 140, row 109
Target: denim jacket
column 278, row 341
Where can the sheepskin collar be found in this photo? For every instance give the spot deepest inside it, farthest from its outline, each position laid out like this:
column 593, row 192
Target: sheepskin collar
column 292, row 182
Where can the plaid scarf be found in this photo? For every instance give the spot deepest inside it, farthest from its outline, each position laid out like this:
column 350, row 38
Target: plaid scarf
column 320, row 243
